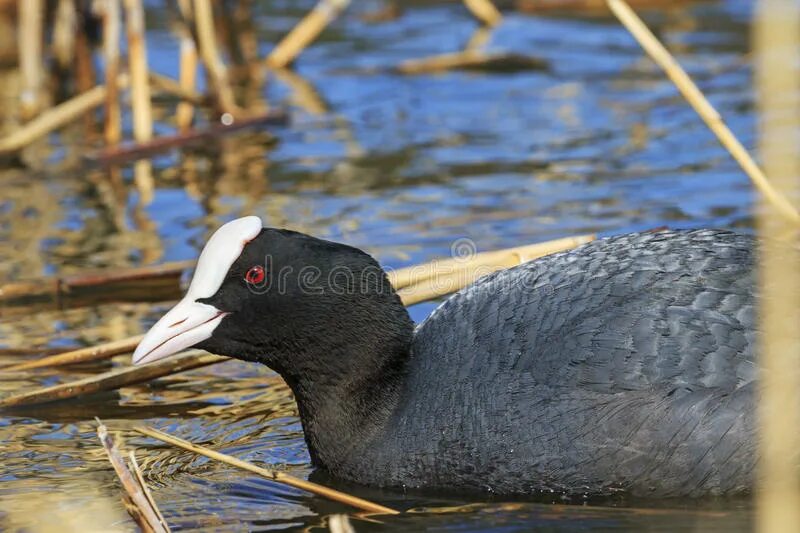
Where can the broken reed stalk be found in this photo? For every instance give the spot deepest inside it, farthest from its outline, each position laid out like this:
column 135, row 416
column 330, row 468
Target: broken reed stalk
column 30, row 43
column 471, row 60
column 702, row 106
column 82, row 355
column 484, row 11
column 176, row 88
column 416, row 274
column 114, row 379
column 287, row 50
column 273, row 475
column 112, row 16
column 64, row 30
column 137, row 59
column 52, row 119
column 187, row 76
column 415, row 284
column 777, row 56
column 130, row 151
column 141, row 508
column 215, row 67
column 137, row 471
column 140, row 94
column 340, row 523
column 60, row 288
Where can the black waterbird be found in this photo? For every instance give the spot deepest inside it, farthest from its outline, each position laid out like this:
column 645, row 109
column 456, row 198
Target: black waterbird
column 625, row 364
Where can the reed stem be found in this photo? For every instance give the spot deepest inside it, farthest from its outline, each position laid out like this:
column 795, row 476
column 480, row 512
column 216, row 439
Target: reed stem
column 215, row 67
column 274, row 475
column 187, row 76
column 287, row 50
column 142, row 509
column 52, row 119
column 701, row 105
column 30, row 37
column 64, row 33
column 114, row 379
column 777, row 53
column 484, row 11
column 112, row 15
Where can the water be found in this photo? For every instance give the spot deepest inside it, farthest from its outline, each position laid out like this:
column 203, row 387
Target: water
column 399, row 165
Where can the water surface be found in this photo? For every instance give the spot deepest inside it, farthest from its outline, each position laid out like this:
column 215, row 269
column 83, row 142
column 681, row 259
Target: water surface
column 401, row 166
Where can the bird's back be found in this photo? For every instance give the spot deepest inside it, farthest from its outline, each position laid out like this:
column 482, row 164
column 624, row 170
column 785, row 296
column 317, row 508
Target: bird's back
column 627, row 363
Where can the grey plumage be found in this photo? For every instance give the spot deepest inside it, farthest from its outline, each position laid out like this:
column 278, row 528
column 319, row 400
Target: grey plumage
column 627, row 364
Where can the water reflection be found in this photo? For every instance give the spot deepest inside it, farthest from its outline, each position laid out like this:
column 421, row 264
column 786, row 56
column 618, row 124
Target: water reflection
column 398, row 165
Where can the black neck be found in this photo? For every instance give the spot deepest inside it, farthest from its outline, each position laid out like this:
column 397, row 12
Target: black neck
column 345, row 391
column 343, row 406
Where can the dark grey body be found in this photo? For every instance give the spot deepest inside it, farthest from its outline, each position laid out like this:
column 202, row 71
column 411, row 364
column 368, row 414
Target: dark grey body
column 627, row 363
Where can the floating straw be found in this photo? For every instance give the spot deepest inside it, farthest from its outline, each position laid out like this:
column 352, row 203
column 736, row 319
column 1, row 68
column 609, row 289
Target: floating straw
column 484, row 11
column 63, row 287
column 286, row 51
column 53, row 119
column 114, row 379
column 165, row 142
column 134, row 464
column 416, row 274
column 82, row 355
column 140, row 506
column 472, row 60
column 701, row 105
column 273, row 475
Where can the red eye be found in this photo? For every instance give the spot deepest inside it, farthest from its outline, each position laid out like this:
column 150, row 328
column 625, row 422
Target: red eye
column 255, row 275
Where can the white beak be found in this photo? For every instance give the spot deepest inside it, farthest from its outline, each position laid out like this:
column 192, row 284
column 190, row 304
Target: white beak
column 190, row 322
column 185, row 325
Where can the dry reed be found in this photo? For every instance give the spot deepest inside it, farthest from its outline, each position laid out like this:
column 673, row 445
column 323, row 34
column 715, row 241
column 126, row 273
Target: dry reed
column 31, row 40
column 52, row 119
column 414, row 275
column 209, row 52
column 60, row 289
column 777, row 54
column 111, row 16
column 485, row 11
column 471, row 59
column 274, row 475
column 139, row 502
column 82, row 355
column 305, row 32
column 701, row 105
column 187, row 75
column 64, row 29
column 113, row 380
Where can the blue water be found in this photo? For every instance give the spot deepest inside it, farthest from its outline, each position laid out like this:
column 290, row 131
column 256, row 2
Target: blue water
column 401, row 166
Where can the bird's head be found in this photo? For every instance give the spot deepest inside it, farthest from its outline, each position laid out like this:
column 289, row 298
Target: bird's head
column 294, row 302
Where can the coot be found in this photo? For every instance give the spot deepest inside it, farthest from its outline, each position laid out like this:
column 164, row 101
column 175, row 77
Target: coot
column 624, row 365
